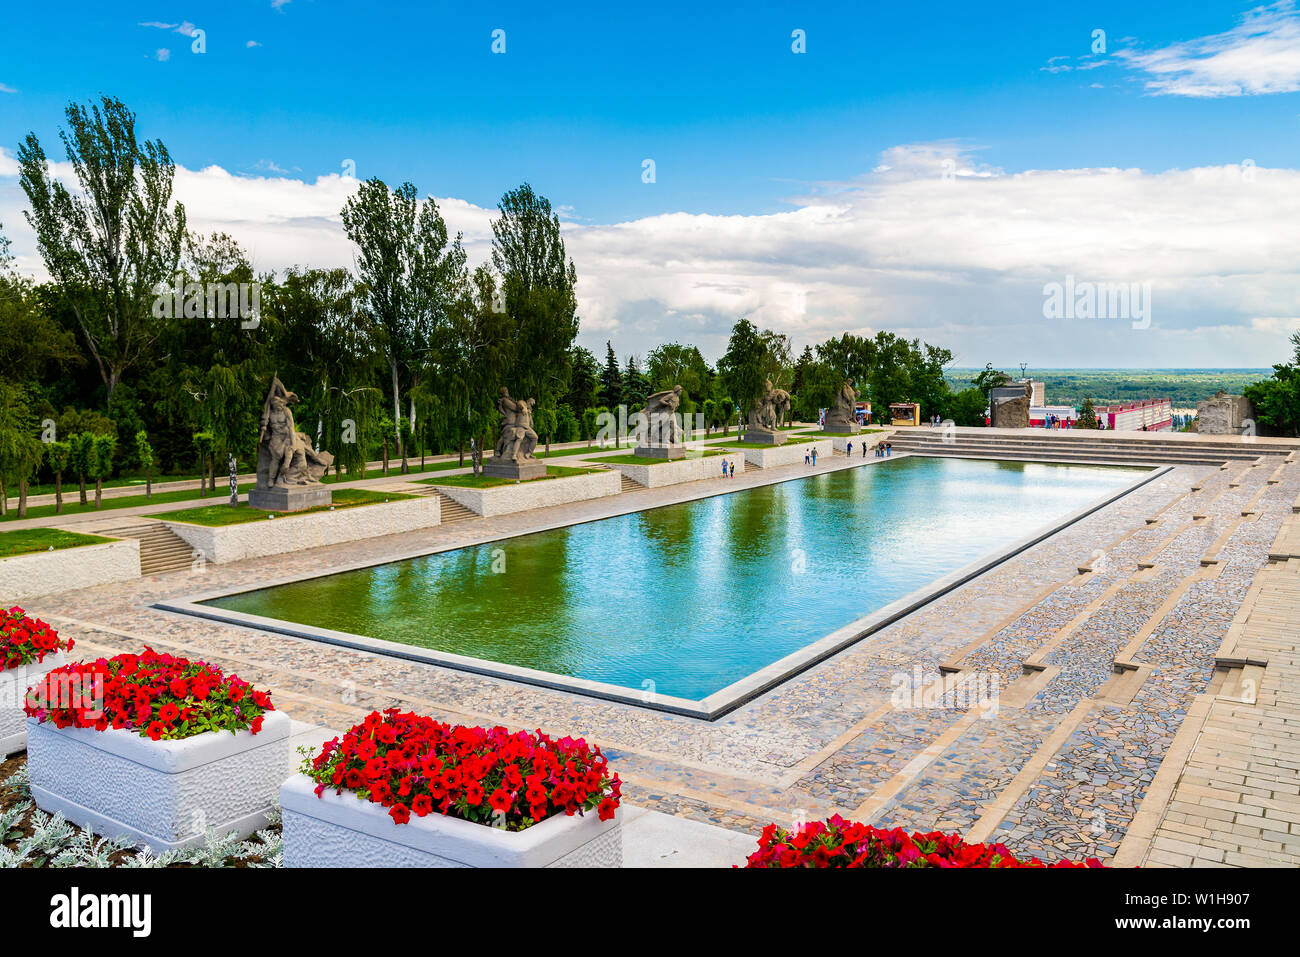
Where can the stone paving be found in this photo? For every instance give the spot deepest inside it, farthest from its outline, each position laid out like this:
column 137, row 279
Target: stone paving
column 1060, row 767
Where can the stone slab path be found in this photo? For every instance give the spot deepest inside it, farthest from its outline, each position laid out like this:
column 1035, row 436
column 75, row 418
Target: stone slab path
column 1099, row 643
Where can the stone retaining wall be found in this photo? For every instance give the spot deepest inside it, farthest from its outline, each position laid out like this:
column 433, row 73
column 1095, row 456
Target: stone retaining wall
column 539, row 493
column 788, row 454
column 291, row 533
column 682, row 470
column 44, row 573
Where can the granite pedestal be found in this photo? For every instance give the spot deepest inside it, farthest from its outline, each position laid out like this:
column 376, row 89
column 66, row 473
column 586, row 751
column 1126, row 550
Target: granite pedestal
column 660, row 451
column 294, row 498
column 516, row 471
column 840, row 429
column 766, row 438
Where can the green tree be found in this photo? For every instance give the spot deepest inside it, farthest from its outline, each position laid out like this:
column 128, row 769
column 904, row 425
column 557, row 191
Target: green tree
column 144, row 455
column 635, row 387
column 1087, row 415
column 1277, row 399
column 102, row 450
column 966, row 408
column 413, row 274
column 80, row 448
column 470, row 360
column 537, row 282
column 21, row 449
column 57, row 457
column 584, row 380
column 611, row 381
column 744, row 366
column 206, row 443
column 988, row 379
column 112, row 244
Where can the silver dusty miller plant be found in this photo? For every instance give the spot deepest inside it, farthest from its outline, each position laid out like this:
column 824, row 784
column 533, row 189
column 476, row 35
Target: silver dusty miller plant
column 56, row 843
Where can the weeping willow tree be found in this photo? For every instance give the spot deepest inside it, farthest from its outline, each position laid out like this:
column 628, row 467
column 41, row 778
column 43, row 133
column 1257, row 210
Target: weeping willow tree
column 20, row 448
column 229, row 403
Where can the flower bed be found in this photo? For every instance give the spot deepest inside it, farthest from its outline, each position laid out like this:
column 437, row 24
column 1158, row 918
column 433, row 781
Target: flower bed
column 28, row 649
column 155, row 749
column 840, row 843
column 419, row 791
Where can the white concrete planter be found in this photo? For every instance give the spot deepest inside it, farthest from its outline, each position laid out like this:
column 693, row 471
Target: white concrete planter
column 45, row 573
column 163, row 794
column 291, row 533
column 13, row 689
column 788, row 454
column 682, row 470
column 338, row 830
column 504, row 499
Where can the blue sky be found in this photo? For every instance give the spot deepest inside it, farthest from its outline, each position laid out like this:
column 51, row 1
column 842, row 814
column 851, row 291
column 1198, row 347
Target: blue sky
column 743, row 132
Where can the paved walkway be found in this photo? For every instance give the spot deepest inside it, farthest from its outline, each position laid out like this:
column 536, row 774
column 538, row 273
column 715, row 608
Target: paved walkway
column 1233, row 797
column 1099, row 640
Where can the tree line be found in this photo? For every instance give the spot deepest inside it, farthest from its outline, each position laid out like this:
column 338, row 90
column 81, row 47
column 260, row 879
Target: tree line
column 143, row 354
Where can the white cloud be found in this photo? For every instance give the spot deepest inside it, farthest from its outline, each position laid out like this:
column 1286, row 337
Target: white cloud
column 252, row 43
column 6, row 88
column 162, row 54
column 158, row 25
column 1260, row 55
column 958, row 260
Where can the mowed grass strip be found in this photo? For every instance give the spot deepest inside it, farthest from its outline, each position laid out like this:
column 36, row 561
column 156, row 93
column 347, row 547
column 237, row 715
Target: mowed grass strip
column 27, row 540
column 227, row 514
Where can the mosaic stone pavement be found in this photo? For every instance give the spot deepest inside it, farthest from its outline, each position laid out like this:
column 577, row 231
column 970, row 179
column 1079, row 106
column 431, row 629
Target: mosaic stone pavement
column 1059, row 767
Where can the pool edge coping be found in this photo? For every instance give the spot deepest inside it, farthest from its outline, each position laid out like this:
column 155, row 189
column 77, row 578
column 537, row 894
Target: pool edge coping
column 709, row 708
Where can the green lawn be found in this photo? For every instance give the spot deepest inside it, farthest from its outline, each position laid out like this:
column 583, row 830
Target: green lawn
column 837, row 435
column 648, row 460
column 72, row 507
column 216, row 515
column 754, row 445
column 43, row 539
column 492, row 481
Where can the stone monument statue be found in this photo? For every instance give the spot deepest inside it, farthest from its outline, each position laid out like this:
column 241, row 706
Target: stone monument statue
column 289, row 469
column 661, row 431
column 513, row 456
column 842, row 416
column 768, row 410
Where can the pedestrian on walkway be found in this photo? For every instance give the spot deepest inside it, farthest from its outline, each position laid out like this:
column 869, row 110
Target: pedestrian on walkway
column 724, row 468
column 806, row 453
column 849, row 449
column 889, row 449
column 814, row 454
column 733, row 469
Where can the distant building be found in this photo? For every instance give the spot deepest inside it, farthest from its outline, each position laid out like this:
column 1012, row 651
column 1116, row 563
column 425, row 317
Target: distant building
column 1156, row 415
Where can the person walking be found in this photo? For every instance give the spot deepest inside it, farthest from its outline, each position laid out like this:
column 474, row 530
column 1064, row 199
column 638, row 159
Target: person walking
column 805, row 456
column 814, row 454
column 848, row 449
column 724, row 468
column 864, row 450
column 733, row 469
column 889, row 449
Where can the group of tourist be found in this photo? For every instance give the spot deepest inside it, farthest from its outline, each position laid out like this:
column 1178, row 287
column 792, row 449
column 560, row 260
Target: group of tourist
column 728, row 469
column 883, row 450
column 810, row 456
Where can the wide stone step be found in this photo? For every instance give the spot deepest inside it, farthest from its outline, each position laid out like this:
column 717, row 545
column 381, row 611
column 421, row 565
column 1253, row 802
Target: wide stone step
column 452, row 512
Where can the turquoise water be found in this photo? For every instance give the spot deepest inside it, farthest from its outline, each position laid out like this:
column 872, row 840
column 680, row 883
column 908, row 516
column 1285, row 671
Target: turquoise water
column 688, row 598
